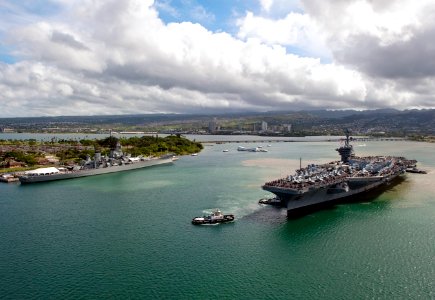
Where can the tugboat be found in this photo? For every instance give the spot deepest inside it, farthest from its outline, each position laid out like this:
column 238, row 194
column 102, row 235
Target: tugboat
column 215, row 217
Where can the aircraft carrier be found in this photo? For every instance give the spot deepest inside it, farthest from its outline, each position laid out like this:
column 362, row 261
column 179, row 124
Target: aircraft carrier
column 317, row 186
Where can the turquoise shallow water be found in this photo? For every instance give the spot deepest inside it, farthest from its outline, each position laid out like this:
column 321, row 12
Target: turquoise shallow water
column 128, row 235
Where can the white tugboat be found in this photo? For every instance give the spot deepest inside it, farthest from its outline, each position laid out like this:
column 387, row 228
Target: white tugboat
column 214, row 218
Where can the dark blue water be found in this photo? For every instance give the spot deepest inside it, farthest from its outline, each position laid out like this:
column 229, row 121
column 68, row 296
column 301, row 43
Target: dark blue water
column 128, row 235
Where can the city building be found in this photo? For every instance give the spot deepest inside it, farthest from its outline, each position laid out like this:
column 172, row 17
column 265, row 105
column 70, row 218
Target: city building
column 263, row 126
column 213, row 126
column 287, row 127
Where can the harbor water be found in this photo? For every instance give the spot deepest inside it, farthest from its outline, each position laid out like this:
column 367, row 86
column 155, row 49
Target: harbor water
column 129, row 234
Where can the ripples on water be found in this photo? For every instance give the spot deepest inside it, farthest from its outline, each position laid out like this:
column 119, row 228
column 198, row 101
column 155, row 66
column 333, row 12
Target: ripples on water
column 128, row 235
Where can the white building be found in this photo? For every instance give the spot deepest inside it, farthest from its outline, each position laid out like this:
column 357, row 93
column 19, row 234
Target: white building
column 263, row 126
column 213, row 126
column 287, row 127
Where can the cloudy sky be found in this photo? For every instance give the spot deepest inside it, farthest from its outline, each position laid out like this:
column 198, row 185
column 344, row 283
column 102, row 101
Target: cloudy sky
column 90, row 57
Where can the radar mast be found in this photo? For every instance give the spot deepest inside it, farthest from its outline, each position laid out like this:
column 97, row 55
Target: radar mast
column 346, row 151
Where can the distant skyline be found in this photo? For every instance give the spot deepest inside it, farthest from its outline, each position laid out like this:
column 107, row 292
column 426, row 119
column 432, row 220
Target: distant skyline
column 90, row 57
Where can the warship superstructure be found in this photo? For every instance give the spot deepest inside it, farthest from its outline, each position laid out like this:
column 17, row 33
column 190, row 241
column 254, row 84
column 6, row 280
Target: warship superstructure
column 318, row 185
column 117, row 161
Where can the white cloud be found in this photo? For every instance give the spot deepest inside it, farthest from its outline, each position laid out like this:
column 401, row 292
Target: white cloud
column 389, row 39
column 117, row 57
column 266, row 4
column 55, row 43
column 296, row 30
column 165, row 6
column 389, row 20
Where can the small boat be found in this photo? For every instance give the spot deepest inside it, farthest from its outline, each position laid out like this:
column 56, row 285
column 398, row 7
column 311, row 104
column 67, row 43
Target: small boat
column 270, row 201
column 215, row 217
column 415, row 170
column 226, row 150
column 194, row 154
column 8, row 178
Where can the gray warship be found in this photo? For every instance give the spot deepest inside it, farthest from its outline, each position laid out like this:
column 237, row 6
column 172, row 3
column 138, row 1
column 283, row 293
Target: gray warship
column 117, row 161
column 317, row 186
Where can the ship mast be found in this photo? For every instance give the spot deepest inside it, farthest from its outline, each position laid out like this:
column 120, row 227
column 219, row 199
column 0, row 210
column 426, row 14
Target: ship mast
column 346, row 151
column 347, row 133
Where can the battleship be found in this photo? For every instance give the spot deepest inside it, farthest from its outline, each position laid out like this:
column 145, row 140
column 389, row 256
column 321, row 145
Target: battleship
column 317, row 186
column 117, row 161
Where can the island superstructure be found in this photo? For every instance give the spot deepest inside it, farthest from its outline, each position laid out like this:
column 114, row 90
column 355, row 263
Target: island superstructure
column 319, row 185
column 117, row 161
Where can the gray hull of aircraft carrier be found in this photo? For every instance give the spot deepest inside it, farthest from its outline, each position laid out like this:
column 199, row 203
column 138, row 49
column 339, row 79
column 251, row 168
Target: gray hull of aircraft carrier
column 317, row 186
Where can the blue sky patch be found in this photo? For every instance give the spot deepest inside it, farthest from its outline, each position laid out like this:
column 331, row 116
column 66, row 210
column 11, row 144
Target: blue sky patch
column 38, row 7
column 212, row 14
